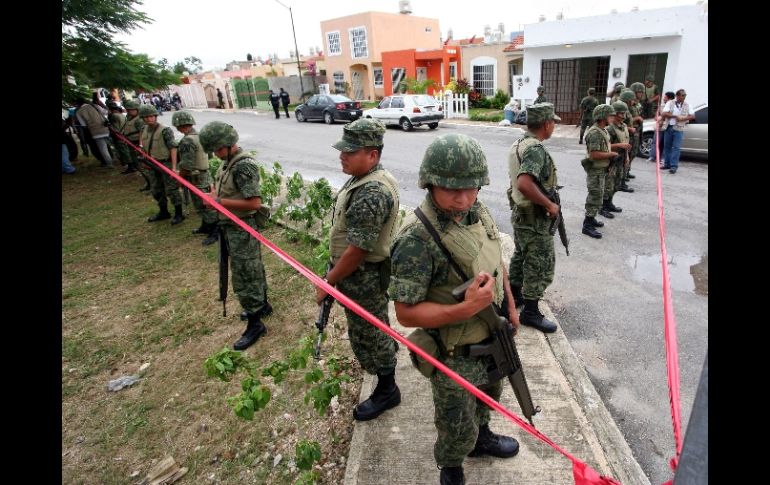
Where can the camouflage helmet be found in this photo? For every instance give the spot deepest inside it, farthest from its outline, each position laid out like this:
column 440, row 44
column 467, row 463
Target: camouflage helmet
column 602, row 111
column 591, row 91
column 216, row 135
column 131, row 104
column 112, row 105
column 637, row 87
column 650, row 78
column 618, row 87
column 540, row 89
column 454, row 161
column 147, row 110
column 620, row 107
column 626, row 96
column 181, row 118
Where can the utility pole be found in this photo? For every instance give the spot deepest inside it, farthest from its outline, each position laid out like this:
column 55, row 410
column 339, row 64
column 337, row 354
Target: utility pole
column 296, row 51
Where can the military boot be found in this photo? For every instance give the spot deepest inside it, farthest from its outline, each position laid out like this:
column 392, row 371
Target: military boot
column 604, row 212
column 589, row 227
column 452, row 475
column 612, row 207
column 385, row 396
column 254, row 329
column 532, row 317
column 178, row 215
column 202, row 229
column 630, row 176
column 594, row 222
column 625, row 188
column 266, row 311
column 518, row 297
column 163, row 214
column 146, row 187
column 213, row 235
column 131, row 168
column 489, row 443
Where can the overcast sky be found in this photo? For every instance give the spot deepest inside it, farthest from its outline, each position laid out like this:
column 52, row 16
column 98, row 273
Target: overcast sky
column 220, row 31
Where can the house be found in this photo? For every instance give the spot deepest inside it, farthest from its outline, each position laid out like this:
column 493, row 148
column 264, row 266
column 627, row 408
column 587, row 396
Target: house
column 493, row 63
column 289, row 65
column 567, row 56
column 440, row 65
column 354, row 45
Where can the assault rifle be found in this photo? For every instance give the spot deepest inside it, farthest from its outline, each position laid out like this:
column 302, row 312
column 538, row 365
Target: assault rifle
column 558, row 222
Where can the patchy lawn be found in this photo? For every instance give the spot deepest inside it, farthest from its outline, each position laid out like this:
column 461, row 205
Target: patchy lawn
column 135, row 293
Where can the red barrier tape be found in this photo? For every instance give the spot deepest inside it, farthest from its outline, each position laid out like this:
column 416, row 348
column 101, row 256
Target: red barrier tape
column 672, row 352
column 583, row 474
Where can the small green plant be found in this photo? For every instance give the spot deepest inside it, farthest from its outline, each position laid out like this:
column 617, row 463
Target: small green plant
column 214, row 164
column 411, row 85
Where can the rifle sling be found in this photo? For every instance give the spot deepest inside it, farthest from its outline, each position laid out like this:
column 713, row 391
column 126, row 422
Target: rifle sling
column 432, row 231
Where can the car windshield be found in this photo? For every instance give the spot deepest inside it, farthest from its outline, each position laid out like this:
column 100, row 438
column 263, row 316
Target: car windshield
column 425, row 100
column 337, row 98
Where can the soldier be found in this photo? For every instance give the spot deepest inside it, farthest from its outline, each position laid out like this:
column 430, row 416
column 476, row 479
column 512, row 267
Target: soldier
column 587, row 105
column 634, row 122
column 158, row 141
column 453, row 170
column 540, row 95
column 598, row 156
column 616, row 90
column 237, row 189
column 619, row 139
column 533, row 172
column 363, row 224
column 194, row 167
column 651, row 96
column 132, row 130
column 116, row 119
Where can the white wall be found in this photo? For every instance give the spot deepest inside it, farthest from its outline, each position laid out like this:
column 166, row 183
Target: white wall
column 682, row 32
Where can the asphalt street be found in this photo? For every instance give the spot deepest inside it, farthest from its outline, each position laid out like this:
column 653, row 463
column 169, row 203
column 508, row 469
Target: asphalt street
column 607, row 294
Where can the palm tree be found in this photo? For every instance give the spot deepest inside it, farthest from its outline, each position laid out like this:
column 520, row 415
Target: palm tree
column 411, row 85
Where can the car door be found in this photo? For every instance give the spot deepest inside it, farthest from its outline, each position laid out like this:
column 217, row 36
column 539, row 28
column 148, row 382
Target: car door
column 696, row 132
column 396, row 109
column 381, row 112
column 310, row 106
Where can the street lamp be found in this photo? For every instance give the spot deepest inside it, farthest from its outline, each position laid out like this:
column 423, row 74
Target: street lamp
column 296, row 51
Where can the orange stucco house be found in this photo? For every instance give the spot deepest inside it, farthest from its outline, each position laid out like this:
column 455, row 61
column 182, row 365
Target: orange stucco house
column 441, row 65
column 354, row 46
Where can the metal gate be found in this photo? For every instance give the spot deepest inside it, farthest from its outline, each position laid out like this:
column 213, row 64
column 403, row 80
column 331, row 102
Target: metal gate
column 566, row 82
column 642, row 65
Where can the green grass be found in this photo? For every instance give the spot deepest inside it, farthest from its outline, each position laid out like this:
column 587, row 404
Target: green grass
column 485, row 114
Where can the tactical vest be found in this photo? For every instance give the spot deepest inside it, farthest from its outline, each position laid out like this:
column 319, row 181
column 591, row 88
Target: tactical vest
column 133, row 129
column 516, row 198
column 474, row 248
column 201, row 158
column 649, row 92
column 635, row 111
column 590, row 162
column 117, row 121
column 339, row 230
column 158, row 149
column 620, row 133
column 225, row 184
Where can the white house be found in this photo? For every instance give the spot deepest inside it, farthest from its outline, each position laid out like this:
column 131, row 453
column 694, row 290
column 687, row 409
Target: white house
column 570, row 55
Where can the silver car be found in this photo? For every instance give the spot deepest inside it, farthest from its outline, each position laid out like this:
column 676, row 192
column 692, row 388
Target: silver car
column 696, row 135
column 408, row 111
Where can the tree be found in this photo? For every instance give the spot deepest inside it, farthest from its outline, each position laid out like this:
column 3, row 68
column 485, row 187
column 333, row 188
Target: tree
column 414, row 86
column 248, row 57
column 90, row 55
column 190, row 64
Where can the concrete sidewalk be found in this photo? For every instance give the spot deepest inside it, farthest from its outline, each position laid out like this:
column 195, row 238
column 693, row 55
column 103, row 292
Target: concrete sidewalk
column 397, row 447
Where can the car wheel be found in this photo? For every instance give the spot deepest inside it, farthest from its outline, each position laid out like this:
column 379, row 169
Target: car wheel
column 300, row 116
column 646, row 145
column 405, row 124
column 328, row 118
column 433, row 126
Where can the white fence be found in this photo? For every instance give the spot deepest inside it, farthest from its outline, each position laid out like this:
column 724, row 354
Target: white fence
column 454, row 105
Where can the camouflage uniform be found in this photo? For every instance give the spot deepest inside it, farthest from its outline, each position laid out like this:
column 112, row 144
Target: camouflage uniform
column 365, row 213
column 616, row 90
column 650, row 107
column 540, row 95
column 618, row 134
column 587, row 105
column 132, row 130
column 157, row 141
column 629, row 97
column 194, row 164
column 117, row 121
column 421, row 272
column 597, row 139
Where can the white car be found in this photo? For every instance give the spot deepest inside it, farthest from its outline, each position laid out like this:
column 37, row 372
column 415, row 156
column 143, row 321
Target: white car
column 408, row 111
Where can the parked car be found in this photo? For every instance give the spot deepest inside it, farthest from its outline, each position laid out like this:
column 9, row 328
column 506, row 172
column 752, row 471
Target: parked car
column 328, row 107
column 408, row 111
column 696, row 134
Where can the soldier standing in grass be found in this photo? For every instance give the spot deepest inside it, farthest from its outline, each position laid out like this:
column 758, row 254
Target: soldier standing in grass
column 158, row 141
column 237, row 189
column 132, row 130
column 453, row 170
column 194, row 167
column 363, row 224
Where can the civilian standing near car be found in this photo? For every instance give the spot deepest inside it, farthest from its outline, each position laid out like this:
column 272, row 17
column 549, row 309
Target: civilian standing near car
column 677, row 113
column 285, row 101
column 598, row 156
column 532, row 171
column 275, row 99
column 453, row 170
column 363, row 224
column 587, row 105
column 158, row 142
column 237, row 189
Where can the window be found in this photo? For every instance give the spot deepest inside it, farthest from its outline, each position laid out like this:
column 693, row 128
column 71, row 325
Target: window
column 339, row 82
column 313, row 100
column 333, row 40
column 378, row 82
column 701, row 116
column 396, row 76
column 397, row 102
column 484, row 79
column 358, row 45
column 385, row 103
column 452, row 70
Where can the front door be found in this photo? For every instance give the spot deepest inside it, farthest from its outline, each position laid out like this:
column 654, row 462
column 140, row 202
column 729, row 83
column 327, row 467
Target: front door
column 422, row 73
column 358, row 88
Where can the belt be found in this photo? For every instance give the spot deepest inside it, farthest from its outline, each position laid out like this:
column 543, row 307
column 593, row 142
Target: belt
column 460, row 351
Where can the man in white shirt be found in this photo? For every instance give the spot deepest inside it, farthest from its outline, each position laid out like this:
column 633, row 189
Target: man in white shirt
column 677, row 114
